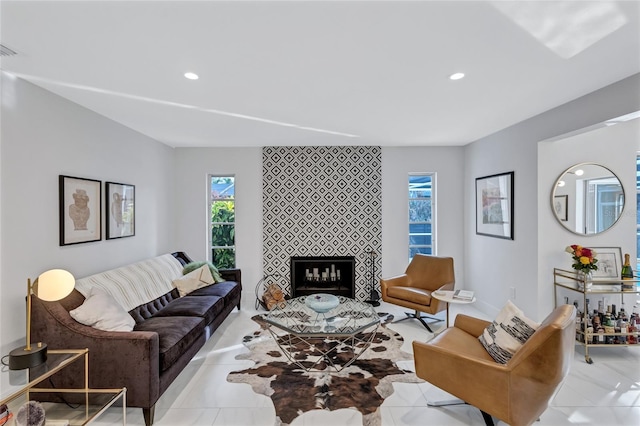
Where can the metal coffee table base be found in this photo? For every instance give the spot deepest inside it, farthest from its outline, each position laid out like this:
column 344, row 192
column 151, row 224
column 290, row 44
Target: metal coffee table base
column 324, row 346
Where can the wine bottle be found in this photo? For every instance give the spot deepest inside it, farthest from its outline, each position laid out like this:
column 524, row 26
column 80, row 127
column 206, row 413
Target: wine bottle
column 627, row 275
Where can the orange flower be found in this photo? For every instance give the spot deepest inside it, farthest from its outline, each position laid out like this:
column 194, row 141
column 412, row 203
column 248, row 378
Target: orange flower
column 584, row 259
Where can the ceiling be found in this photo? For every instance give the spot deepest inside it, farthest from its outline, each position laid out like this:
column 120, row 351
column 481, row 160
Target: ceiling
column 320, row 72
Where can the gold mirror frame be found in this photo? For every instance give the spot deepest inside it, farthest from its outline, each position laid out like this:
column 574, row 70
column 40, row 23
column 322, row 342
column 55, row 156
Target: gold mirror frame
column 577, row 199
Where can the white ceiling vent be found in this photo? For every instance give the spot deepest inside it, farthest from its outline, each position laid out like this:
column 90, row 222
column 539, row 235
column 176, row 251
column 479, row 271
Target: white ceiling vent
column 5, row 51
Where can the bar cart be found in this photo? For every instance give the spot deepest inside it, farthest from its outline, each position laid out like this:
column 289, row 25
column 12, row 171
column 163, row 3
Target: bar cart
column 592, row 306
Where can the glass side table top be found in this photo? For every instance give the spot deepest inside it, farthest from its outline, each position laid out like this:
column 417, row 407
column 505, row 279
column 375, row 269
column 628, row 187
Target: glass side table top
column 348, row 318
column 12, row 381
column 75, row 407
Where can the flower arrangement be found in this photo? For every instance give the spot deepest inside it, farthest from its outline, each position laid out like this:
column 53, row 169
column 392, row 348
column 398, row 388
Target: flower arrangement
column 584, row 259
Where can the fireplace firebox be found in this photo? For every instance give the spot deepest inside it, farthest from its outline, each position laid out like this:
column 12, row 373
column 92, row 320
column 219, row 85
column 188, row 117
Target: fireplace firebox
column 323, row 274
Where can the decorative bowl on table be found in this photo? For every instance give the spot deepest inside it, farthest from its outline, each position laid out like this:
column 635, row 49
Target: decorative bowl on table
column 321, row 302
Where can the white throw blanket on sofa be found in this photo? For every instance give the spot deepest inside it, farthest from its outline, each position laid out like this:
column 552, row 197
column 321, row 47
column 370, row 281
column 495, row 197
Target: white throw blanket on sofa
column 135, row 284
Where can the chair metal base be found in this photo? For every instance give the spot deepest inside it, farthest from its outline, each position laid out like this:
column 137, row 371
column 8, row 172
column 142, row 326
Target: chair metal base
column 445, row 402
column 488, row 420
column 421, row 318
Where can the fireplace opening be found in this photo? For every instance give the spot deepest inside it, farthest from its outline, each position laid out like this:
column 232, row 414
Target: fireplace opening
column 323, row 274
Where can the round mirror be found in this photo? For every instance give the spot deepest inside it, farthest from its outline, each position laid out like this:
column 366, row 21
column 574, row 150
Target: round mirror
column 587, row 199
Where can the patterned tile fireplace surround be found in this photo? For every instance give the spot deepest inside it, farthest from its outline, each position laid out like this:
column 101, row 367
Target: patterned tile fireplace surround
column 322, row 201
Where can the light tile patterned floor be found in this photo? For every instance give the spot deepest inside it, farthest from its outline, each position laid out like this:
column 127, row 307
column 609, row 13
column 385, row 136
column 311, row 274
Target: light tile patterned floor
column 604, row 393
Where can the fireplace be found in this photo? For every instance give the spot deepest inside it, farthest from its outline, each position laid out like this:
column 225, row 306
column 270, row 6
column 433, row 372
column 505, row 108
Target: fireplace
column 323, row 274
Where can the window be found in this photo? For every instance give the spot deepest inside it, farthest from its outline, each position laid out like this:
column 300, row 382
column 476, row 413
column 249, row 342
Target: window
column 604, row 202
column 223, row 221
column 421, row 217
column 638, row 212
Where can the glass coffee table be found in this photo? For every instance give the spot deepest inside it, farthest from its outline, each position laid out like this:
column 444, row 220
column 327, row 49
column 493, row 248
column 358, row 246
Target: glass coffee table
column 326, row 337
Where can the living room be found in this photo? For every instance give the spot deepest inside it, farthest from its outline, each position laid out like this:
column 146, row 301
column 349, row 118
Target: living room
column 45, row 135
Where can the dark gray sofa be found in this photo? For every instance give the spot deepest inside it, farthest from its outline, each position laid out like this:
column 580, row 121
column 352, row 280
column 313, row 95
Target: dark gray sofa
column 169, row 331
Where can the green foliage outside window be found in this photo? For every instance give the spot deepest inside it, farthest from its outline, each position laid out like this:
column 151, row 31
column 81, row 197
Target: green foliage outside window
column 223, row 234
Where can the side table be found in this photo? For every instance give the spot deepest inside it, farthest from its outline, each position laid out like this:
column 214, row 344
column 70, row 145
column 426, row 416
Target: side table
column 447, row 297
column 30, row 384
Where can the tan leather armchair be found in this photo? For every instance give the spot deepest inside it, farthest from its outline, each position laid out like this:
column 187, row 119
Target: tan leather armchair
column 412, row 289
column 517, row 392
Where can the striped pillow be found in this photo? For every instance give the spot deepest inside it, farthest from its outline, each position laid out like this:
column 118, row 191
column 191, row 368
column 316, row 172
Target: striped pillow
column 135, row 284
column 507, row 333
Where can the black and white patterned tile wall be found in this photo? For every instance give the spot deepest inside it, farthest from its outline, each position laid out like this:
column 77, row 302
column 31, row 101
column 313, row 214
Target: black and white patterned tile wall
column 322, row 201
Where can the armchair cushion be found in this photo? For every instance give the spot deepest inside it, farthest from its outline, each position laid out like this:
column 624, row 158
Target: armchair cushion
column 415, row 295
column 507, row 333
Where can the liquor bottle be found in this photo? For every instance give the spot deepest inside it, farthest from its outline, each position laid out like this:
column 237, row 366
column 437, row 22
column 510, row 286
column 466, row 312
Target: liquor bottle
column 627, row 275
column 607, row 320
column 580, row 326
column 622, row 326
column 614, row 314
column 608, row 328
column 633, row 338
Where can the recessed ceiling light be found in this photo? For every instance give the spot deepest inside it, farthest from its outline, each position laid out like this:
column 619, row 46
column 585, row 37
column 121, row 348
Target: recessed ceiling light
column 456, row 76
column 579, row 172
column 191, row 75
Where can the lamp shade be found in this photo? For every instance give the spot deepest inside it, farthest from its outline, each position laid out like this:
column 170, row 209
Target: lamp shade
column 54, row 284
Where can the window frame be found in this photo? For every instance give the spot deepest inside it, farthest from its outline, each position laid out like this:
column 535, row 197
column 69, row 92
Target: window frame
column 210, row 200
column 432, row 199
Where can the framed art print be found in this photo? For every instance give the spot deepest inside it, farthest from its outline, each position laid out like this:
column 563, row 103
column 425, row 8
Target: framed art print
column 494, row 205
column 80, row 210
column 560, row 207
column 120, row 210
column 609, row 263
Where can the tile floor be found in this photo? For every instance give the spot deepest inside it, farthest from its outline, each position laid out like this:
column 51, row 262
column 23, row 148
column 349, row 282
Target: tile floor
column 604, row 393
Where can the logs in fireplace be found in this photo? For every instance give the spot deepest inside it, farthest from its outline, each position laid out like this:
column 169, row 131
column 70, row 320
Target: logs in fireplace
column 323, row 274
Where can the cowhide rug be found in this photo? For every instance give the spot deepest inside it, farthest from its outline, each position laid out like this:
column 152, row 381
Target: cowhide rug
column 362, row 386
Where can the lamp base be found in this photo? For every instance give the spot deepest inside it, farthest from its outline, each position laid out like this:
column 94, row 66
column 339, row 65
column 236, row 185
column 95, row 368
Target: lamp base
column 374, row 298
column 21, row 358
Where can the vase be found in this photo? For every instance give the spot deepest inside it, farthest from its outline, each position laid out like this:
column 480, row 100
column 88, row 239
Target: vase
column 585, row 280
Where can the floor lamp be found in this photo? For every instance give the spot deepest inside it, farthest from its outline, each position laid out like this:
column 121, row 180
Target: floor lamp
column 50, row 286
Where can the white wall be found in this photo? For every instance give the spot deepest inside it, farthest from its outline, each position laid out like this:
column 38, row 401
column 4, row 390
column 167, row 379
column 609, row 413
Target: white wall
column 397, row 164
column 193, row 165
column 492, row 265
column 613, row 147
column 44, row 136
